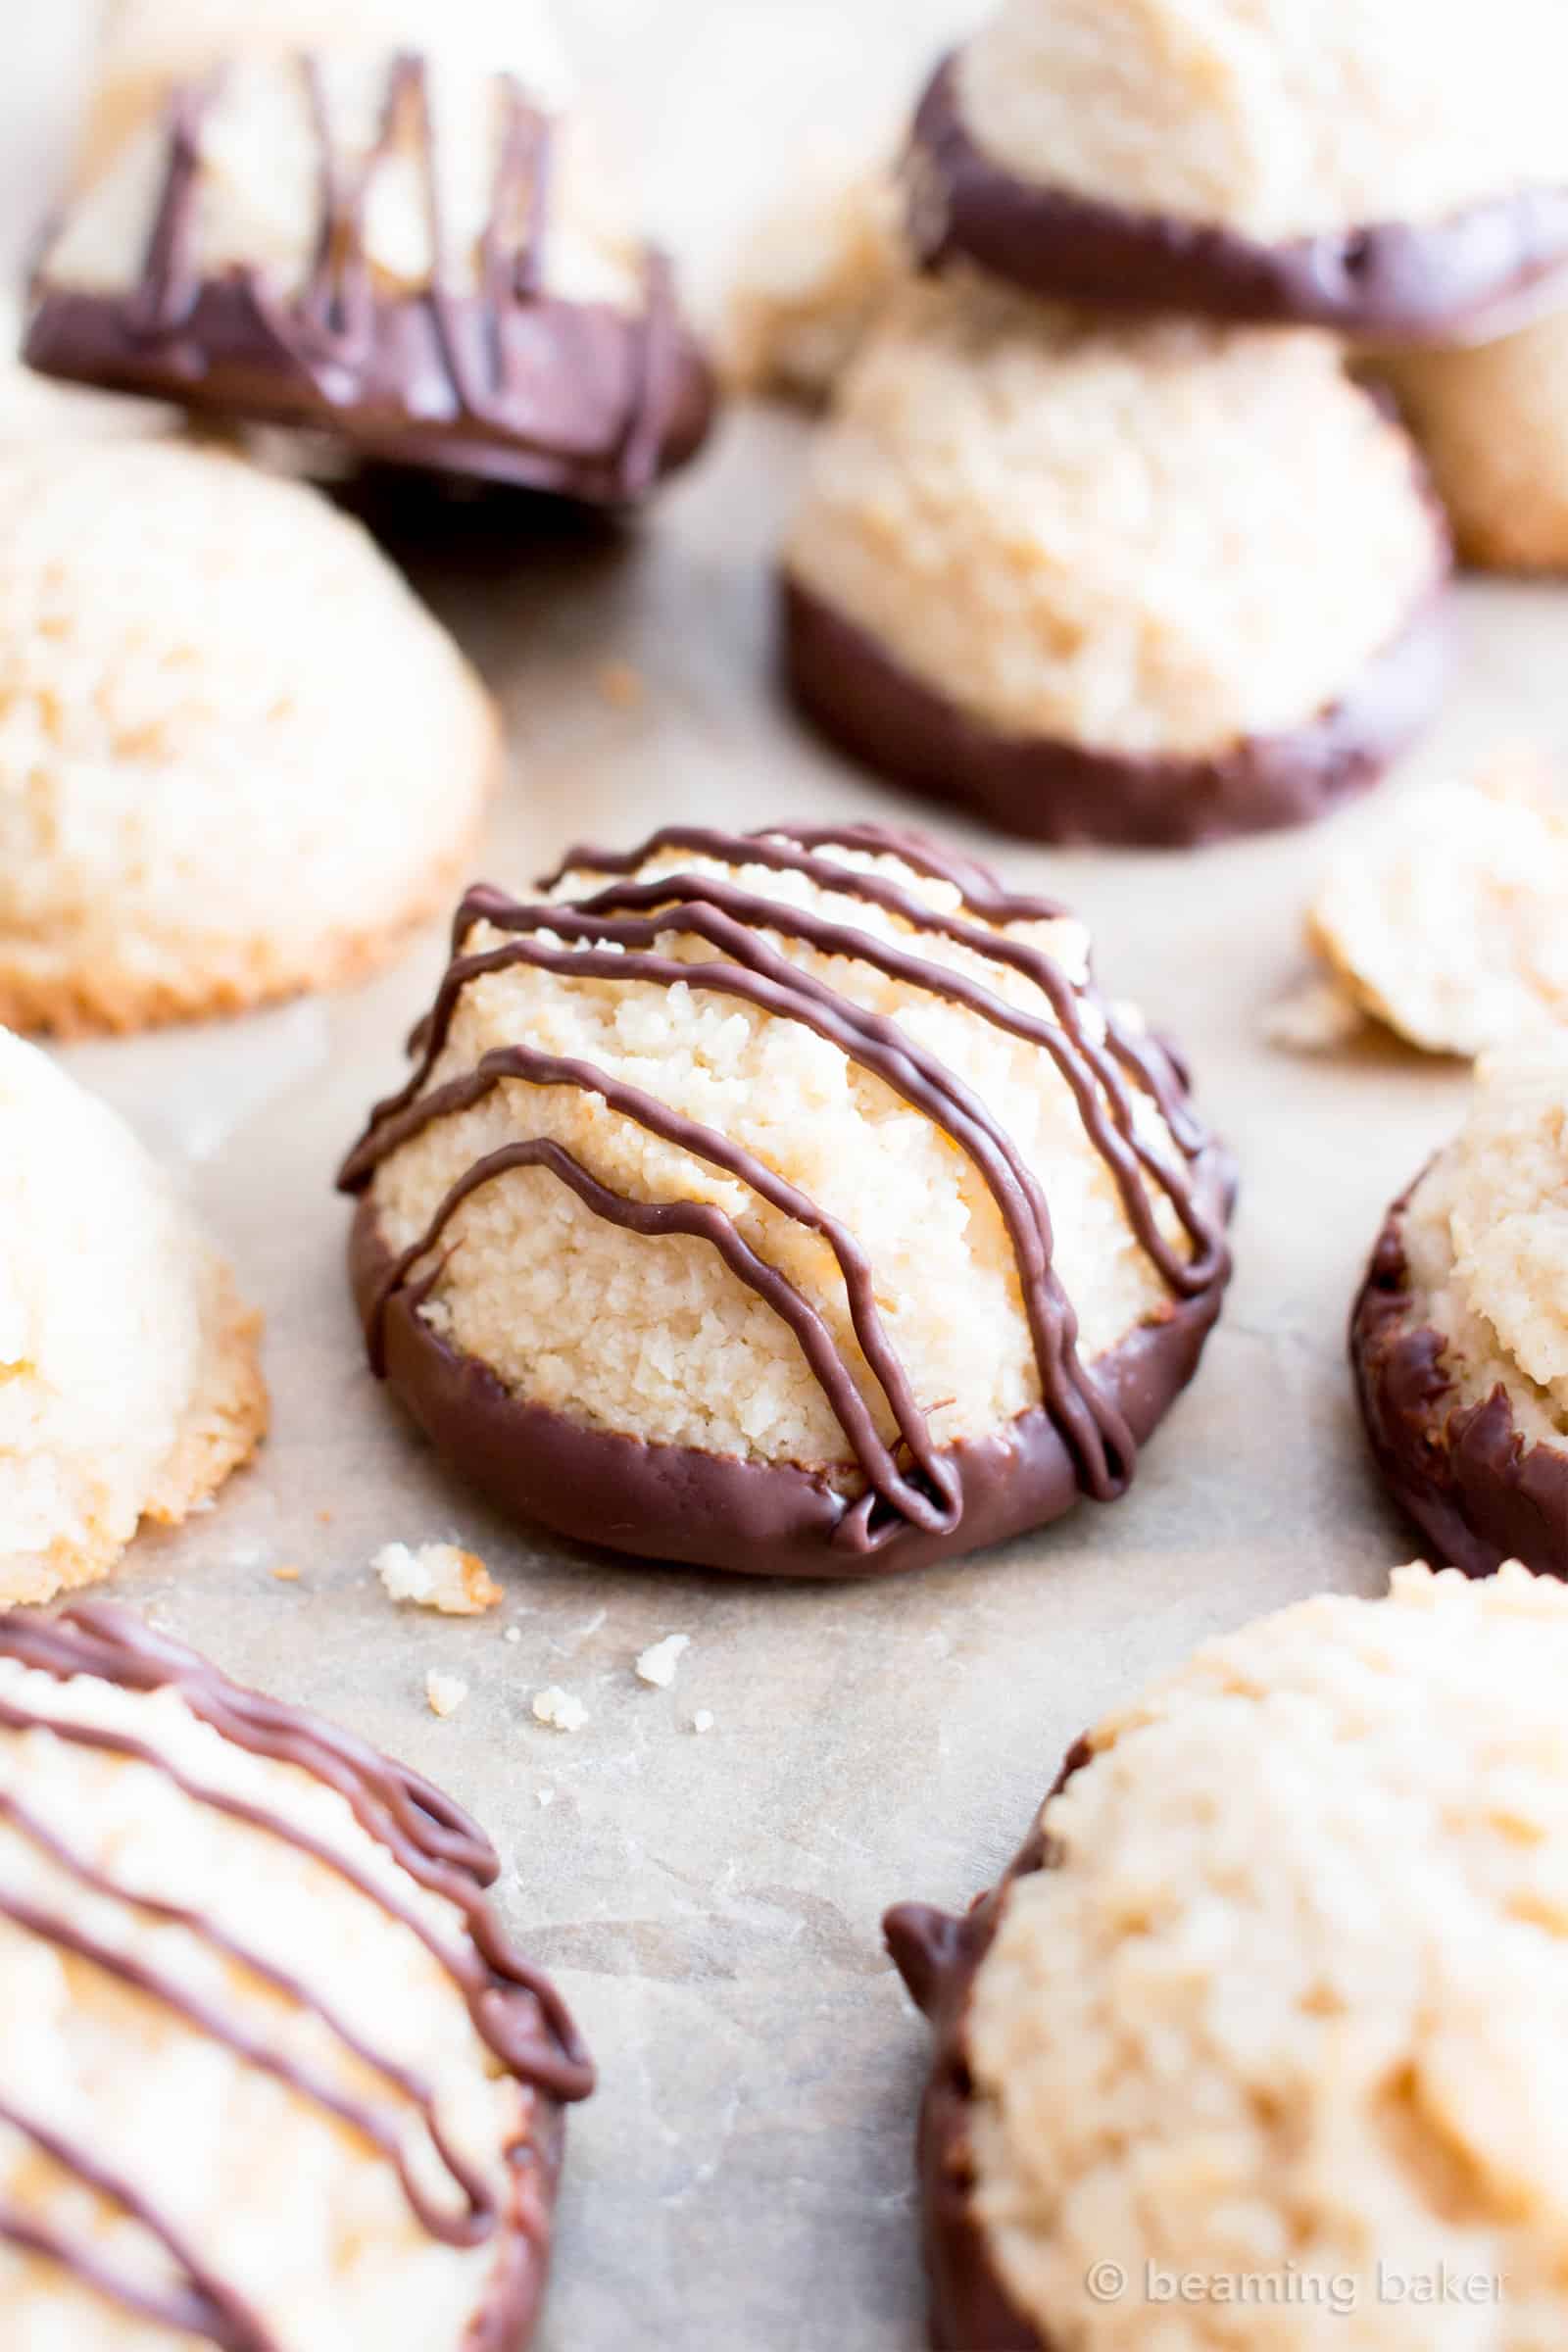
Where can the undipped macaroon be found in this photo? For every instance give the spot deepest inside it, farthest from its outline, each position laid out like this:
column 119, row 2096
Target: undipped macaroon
column 1491, row 420
column 1391, row 167
column 789, row 1203
column 129, row 1382
column 402, row 243
column 275, row 2077
column 237, row 757
column 1459, row 1336
column 1144, row 583
column 1257, row 2044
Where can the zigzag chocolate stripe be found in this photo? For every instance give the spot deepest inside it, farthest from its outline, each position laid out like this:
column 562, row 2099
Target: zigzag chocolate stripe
column 516, row 2012
column 329, row 327
column 622, row 923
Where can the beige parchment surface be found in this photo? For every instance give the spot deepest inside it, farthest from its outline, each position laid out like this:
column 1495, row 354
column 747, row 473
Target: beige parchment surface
column 711, row 1903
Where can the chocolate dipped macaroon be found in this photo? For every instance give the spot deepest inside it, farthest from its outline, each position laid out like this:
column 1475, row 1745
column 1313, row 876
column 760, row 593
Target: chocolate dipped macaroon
column 275, row 2077
column 1392, row 170
column 1257, row 2042
column 1149, row 584
column 1459, row 1336
column 405, row 250
column 789, row 1203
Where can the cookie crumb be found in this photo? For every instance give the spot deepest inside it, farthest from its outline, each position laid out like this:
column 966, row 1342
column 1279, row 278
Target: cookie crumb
column 544, row 1798
column 437, row 1576
column 1442, row 919
column 559, row 1709
column 658, row 1664
column 701, row 1721
column 446, row 1692
column 287, row 1574
column 514, row 1632
column 1315, row 1017
column 622, row 683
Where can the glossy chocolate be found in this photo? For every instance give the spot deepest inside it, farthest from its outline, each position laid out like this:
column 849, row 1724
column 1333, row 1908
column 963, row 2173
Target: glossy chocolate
column 1046, row 789
column 939, row 1956
column 1476, row 1487
column 1480, row 272
column 507, row 383
column 920, row 1502
column 516, row 2012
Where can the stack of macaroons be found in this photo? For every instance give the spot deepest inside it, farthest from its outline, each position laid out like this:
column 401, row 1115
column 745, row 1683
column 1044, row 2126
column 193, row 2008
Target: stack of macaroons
column 273, row 2073
column 790, row 1204
column 382, row 227
column 1027, row 526
column 130, row 1379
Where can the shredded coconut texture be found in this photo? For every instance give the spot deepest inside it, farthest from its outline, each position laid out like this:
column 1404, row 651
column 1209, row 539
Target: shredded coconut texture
column 1290, row 2004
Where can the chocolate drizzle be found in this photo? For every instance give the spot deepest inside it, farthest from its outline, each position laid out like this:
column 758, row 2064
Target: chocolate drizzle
column 516, row 2012
column 507, row 380
column 913, row 1485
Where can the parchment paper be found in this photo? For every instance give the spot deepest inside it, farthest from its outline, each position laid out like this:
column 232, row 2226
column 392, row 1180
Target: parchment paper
column 711, row 1903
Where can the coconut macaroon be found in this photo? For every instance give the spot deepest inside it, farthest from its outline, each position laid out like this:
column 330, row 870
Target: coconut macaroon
column 788, row 1203
column 1444, row 918
column 237, row 758
column 1459, row 1336
column 812, row 278
column 1492, row 423
column 273, row 2077
column 1392, row 169
column 1261, row 2023
column 405, row 249
column 130, row 1380
column 1141, row 583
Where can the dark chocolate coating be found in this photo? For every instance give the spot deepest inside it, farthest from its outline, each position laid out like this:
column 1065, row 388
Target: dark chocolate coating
column 939, row 1957
column 507, row 385
column 673, row 1502
column 1046, row 789
column 915, row 1502
column 1478, row 1489
column 1483, row 270
column 516, row 2012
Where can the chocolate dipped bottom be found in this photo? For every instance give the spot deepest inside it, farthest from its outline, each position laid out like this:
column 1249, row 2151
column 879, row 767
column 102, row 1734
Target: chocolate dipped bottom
column 891, row 1501
column 1487, row 269
column 1041, row 788
column 1477, row 1487
column 506, row 381
column 939, row 1957
column 516, row 2015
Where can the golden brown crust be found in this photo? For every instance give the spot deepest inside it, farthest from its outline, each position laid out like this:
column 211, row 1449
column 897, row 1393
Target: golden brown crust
column 49, row 992
column 224, row 1422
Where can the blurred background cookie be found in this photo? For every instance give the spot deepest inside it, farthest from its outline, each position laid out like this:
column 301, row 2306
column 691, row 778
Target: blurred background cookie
column 274, row 2074
column 1266, row 2001
column 406, row 248
column 1395, row 168
column 1460, row 1334
column 130, row 1379
column 1492, row 422
column 791, row 1204
column 1122, row 583
column 815, row 275
column 237, row 758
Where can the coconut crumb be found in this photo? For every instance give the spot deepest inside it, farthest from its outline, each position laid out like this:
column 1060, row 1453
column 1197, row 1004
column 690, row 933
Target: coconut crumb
column 437, row 1576
column 1445, row 920
column 701, row 1721
column 658, row 1664
column 559, row 1709
column 514, row 1632
column 1316, row 1016
column 622, row 684
column 446, row 1692
column 544, row 1798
